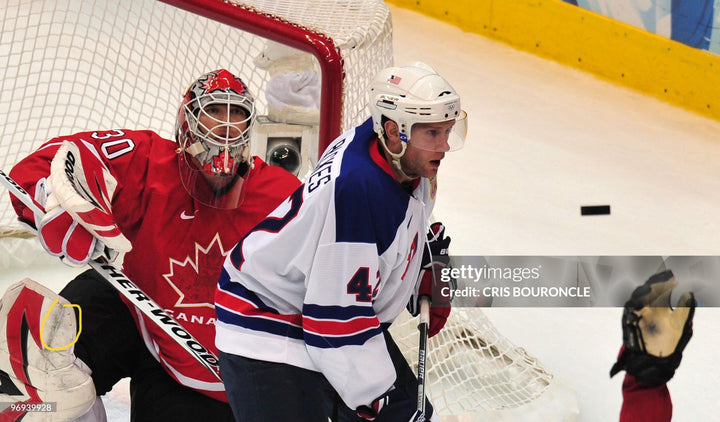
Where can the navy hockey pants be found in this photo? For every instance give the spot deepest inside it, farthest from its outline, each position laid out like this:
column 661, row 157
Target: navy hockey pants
column 261, row 391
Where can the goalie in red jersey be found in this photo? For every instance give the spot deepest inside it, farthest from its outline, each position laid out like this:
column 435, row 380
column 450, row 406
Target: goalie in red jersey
column 175, row 209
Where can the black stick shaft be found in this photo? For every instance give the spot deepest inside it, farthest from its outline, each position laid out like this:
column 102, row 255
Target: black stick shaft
column 422, row 350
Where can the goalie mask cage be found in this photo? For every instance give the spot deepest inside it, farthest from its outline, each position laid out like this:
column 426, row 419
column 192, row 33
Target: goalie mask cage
column 77, row 65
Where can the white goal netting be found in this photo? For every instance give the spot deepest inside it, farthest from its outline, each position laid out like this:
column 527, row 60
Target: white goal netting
column 76, row 65
column 474, row 373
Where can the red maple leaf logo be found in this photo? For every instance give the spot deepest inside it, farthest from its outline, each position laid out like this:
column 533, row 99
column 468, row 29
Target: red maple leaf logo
column 194, row 278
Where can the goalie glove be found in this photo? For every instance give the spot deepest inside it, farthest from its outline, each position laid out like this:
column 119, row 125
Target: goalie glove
column 655, row 334
column 78, row 224
column 62, row 236
column 38, row 330
column 433, row 283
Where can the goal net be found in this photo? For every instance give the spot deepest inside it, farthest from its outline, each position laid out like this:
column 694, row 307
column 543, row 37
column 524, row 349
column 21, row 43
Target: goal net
column 78, row 65
column 72, row 65
column 474, row 373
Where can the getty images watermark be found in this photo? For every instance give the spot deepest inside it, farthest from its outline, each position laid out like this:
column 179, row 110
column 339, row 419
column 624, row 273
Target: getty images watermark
column 585, row 281
column 504, row 274
column 491, row 282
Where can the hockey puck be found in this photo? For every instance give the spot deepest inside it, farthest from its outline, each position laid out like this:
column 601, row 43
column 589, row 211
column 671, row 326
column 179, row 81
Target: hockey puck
column 595, row 210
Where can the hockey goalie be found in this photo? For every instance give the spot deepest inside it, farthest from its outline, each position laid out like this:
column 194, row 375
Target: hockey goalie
column 173, row 208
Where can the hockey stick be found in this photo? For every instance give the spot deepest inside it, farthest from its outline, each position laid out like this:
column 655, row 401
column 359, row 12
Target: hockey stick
column 422, row 350
column 131, row 292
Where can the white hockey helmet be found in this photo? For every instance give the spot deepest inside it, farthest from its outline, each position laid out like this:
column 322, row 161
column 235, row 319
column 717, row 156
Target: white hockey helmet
column 415, row 93
column 213, row 130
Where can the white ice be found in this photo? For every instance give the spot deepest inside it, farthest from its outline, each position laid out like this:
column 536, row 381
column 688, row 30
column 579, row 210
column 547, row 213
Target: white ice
column 545, row 139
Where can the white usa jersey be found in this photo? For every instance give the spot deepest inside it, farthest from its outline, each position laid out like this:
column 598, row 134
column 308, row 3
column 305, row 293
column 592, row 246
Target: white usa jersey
column 311, row 285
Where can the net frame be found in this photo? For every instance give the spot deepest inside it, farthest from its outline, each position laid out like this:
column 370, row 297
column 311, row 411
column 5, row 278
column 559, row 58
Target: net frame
column 98, row 75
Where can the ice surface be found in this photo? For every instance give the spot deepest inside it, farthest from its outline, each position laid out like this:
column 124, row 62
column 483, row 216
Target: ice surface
column 545, row 139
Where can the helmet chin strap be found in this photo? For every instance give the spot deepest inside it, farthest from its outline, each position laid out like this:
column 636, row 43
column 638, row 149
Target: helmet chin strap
column 395, row 157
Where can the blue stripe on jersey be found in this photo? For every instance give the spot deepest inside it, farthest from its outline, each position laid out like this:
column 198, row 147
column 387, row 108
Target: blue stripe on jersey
column 369, row 203
column 256, row 322
column 323, row 342
column 239, row 290
column 336, row 312
column 269, row 224
column 337, row 322
column 260, row 324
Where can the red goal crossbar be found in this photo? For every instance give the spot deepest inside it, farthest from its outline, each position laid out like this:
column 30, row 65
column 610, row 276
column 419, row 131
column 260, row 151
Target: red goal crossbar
column 294, row 35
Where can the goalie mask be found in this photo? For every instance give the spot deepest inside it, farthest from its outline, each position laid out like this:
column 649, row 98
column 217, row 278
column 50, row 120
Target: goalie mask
column 213, row 131
column 415, row 93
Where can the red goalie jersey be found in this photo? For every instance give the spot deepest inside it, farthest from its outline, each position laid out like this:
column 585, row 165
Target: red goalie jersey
column 178, row 244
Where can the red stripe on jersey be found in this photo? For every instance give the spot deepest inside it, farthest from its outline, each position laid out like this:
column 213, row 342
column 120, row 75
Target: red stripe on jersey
column 244, row 307
column 339, row 328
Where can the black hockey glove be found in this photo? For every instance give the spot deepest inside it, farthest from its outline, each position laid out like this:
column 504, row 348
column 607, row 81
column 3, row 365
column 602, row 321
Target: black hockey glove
column 397, row 405
column 654, row 334
column 433, row 282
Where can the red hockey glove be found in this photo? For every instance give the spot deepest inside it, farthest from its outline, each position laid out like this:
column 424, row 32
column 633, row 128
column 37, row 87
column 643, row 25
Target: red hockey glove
column 655, row 334
column 434, row 283
column 62, row 236
column 397, row 405
column 78, row 224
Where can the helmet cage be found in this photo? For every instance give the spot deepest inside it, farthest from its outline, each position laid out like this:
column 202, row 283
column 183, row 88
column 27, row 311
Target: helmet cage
column 214, row 153
column 221, row 148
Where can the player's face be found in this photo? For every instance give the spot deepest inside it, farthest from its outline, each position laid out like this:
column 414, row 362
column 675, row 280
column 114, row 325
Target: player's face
column 420, row 163
column 223, row 121
column 432, row 136
column 427, row 147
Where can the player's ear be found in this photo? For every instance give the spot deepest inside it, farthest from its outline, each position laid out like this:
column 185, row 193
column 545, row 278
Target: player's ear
column 392, row 135
column 391, row 128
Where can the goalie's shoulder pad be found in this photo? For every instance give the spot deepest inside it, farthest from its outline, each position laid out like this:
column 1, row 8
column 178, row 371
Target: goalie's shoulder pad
column 38, row 330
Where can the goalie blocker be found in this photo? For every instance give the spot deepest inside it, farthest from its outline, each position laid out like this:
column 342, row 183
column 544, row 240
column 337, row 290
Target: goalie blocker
column 78, row 224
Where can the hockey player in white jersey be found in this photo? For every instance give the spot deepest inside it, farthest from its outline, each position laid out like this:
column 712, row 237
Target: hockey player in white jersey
column 305, row 299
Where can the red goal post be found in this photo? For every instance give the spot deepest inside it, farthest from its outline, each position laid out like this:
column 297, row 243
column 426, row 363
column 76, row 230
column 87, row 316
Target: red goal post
column 292, row 34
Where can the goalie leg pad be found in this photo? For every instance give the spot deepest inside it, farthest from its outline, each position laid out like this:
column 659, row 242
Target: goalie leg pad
column 95, row 414
column 38, row 329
